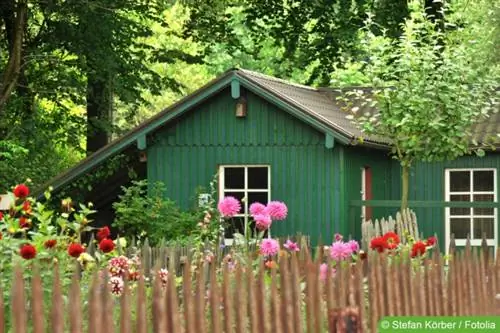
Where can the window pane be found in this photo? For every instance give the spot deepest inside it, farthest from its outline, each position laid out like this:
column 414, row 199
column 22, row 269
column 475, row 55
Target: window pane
column 257, row 178
column 459, row 211
column 257, row 197
column 483, row 181
column 460, row 227
column 485, row 225
column 239, row 196
column 234, row 225
column 234, row 178
column 459, row 181
column 483, row 211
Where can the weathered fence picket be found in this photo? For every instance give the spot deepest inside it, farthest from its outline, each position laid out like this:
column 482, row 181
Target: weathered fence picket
column 244, row 300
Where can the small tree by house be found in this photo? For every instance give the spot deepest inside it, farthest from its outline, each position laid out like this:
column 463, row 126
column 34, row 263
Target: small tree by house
column 429, row 86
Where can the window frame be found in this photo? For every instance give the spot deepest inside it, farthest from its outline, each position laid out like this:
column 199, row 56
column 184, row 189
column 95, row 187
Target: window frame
column 245, row 190
column 491, row 242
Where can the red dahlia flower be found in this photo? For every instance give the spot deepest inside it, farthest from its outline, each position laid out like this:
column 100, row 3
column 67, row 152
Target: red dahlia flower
column 418, row 249
column 378, row 243
column 391, row 239
column 1, row 216
column 27, row 207
column 50, row 243
column 75, row 250
column 431, row 241
column 21, row 191
column 27, row 251
column 103, row 233
column 24, row 223
column 106, row 245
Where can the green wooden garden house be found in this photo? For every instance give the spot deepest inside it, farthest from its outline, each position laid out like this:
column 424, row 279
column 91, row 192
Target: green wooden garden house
column 268, row 139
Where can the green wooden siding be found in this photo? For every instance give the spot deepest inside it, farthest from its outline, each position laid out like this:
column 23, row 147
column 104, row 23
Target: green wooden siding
column 427, row 182
column 356, row 158
column 187, row 154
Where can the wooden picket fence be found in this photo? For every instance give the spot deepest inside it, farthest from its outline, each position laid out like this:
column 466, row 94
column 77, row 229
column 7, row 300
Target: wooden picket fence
column 176, row 256
column 404, row 223
column 295, row 300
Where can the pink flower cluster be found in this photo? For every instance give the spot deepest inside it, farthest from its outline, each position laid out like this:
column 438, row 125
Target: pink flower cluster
column 116, row 285
column 229, row 206
column 264, row 215
column 341, row 250
column 120, row 268
column 269, row 247
column 291, row 246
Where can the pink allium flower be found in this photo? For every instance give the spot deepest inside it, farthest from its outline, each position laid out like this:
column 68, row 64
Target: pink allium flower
column 262, row 221
column 229, row 206
column 353, row 245
column 116, row 284
column 277, row 210
column 291, row 246
column 338, row 237
column 340, row 250
column 257, row 209
column 269, row 247
column 323, row 272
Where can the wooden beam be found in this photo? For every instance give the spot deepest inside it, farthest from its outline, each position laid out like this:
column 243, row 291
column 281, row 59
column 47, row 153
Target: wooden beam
column 329, row 141
column 141, row 142
column 235, row 88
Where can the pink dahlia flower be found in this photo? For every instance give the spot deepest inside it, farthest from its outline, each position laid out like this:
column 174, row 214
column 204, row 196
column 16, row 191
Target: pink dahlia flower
column 257, row 209
column 229, row 206
column 116, row 284
column 291, row 246
column 118, row 266
column 262, row 221
column 323, row 272
column 340, row 250
column 277, row 210
column 338, row 237
column 269, row 247
column 353, row 245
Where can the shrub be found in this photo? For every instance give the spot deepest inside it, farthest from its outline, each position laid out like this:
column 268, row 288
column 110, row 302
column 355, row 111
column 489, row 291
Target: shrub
column 142, row 214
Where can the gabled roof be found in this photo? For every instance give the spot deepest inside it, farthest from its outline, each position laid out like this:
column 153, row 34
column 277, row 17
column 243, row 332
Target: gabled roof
column 317, row 107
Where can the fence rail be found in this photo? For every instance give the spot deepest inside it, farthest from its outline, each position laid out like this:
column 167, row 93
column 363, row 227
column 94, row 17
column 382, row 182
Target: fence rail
column 425, row 204
column 290, row 298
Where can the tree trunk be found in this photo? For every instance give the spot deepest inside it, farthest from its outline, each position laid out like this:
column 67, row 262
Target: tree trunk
column 405, row 179
column 99, row 112
column 14, row 19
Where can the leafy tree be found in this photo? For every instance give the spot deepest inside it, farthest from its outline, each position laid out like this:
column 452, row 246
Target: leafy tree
column 312, row 36
column 429, row 86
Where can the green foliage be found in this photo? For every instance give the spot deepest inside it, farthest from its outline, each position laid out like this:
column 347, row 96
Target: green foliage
column 40, row 224
column 41, row 147
column 429, row 86
column 148, row 214
column 284, row 38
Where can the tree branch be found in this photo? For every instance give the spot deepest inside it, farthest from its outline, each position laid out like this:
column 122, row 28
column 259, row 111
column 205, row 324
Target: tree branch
column 12, row 69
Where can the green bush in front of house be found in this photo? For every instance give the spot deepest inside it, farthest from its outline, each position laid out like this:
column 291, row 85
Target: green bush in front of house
column 140, row 214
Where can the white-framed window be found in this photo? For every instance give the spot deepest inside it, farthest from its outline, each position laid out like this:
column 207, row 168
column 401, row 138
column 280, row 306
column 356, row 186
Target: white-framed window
column 471, row 185
column 247, row 183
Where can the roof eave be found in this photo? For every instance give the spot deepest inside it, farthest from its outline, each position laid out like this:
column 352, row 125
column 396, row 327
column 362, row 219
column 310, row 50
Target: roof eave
column 300, row 112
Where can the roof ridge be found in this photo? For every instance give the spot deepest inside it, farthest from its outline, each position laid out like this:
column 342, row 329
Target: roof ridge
column 275, row 79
